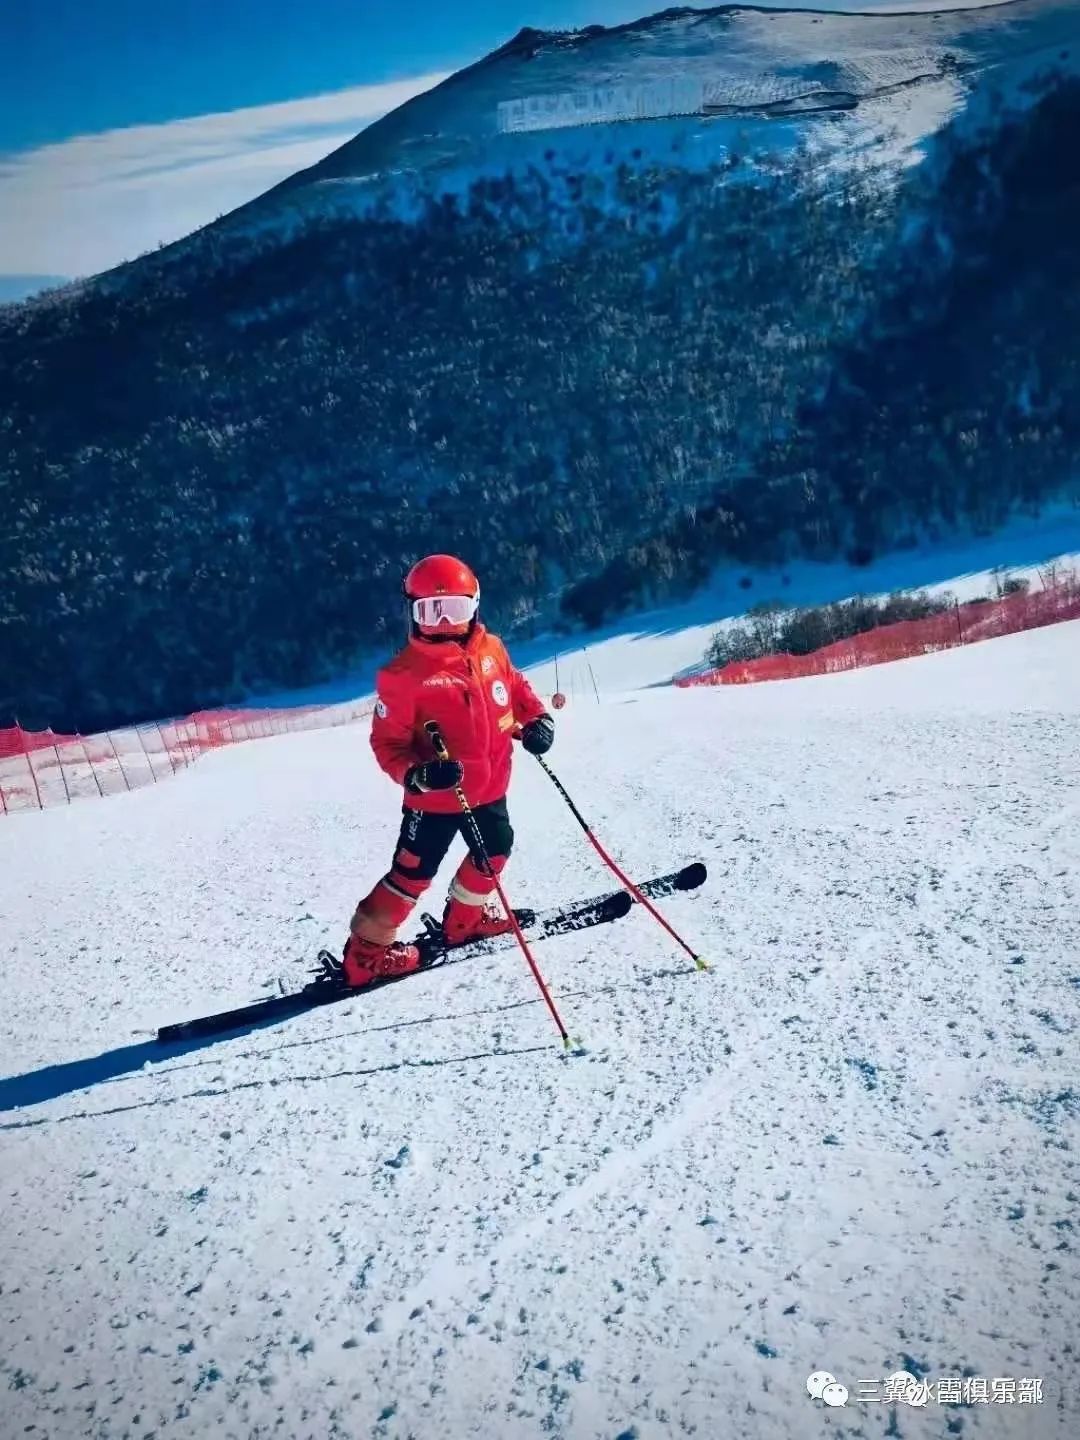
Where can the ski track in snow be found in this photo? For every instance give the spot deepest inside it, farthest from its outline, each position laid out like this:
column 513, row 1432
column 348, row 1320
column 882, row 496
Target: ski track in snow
column 850, row 1146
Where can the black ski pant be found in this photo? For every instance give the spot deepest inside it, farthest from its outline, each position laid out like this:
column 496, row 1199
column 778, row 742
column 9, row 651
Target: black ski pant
column 425, row 838
column 422, row 845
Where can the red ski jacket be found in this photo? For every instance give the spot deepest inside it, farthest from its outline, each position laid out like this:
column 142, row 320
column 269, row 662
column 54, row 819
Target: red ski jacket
column 475, row 696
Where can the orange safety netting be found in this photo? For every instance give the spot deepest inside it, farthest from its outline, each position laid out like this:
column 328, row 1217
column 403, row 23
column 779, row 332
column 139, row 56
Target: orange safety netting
column 960, row 625
column 40, row 768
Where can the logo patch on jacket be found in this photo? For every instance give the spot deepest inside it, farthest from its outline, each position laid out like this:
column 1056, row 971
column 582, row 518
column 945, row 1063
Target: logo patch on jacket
column 381, row 708
column 487, row 664
column 444, row 680
column 500, row 694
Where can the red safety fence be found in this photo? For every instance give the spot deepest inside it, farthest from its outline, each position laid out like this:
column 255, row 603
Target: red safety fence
column 959, row 625
column 39, row 768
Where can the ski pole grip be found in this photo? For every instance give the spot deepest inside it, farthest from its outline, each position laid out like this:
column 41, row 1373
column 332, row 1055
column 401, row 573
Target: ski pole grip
column 435, row 736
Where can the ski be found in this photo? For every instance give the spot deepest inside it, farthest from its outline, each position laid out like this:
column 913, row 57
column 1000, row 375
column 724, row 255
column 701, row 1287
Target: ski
column 326, row 988
column 564, row 919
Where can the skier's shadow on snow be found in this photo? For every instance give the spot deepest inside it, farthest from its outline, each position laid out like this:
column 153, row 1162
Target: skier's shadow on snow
column 52, row 1082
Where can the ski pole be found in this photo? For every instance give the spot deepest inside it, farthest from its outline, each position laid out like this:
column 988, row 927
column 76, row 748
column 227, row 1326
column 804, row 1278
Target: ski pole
column 610, row 863
column 480, row 849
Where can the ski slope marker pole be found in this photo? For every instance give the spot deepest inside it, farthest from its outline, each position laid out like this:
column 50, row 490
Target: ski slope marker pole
column 610, row 863
column 481, row 849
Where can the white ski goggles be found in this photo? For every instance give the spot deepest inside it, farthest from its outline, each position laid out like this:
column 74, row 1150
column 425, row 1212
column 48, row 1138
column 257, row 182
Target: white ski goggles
column 444, row 610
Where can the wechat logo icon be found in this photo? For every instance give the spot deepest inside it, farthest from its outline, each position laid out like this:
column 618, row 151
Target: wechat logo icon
column 825, row 1387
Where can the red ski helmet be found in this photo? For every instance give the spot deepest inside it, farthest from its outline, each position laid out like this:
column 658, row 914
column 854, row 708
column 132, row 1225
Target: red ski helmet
column 443, row 595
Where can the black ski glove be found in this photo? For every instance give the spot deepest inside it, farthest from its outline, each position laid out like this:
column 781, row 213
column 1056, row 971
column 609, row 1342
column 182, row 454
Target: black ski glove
column 538, row 735
column 433, row 775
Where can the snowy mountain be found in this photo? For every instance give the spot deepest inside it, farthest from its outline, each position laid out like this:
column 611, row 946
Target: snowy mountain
column 770, row 76
column 607, row 311
column 850, row 1147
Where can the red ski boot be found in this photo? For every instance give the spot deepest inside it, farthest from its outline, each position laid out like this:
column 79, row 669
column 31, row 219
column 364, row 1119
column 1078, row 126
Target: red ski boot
column 463, row 922
column 472, row 911
column 366, row 961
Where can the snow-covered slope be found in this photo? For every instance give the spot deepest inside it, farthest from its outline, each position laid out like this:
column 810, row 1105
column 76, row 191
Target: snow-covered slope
column 651, row 648
column 851, row 1146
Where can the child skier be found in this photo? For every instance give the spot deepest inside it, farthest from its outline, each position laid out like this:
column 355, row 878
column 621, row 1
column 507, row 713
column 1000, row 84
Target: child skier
column 455, row 673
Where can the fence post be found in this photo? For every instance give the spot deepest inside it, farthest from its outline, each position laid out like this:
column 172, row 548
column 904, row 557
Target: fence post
column 60, row 766
column 959, row 623
column 168, row 752
column 150, row 763
column 116, row 757
column 93, row 770
column 29, row 765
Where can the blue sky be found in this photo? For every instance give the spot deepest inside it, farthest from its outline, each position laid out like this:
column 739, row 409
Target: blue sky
column 125, row 124
column 78, row 66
